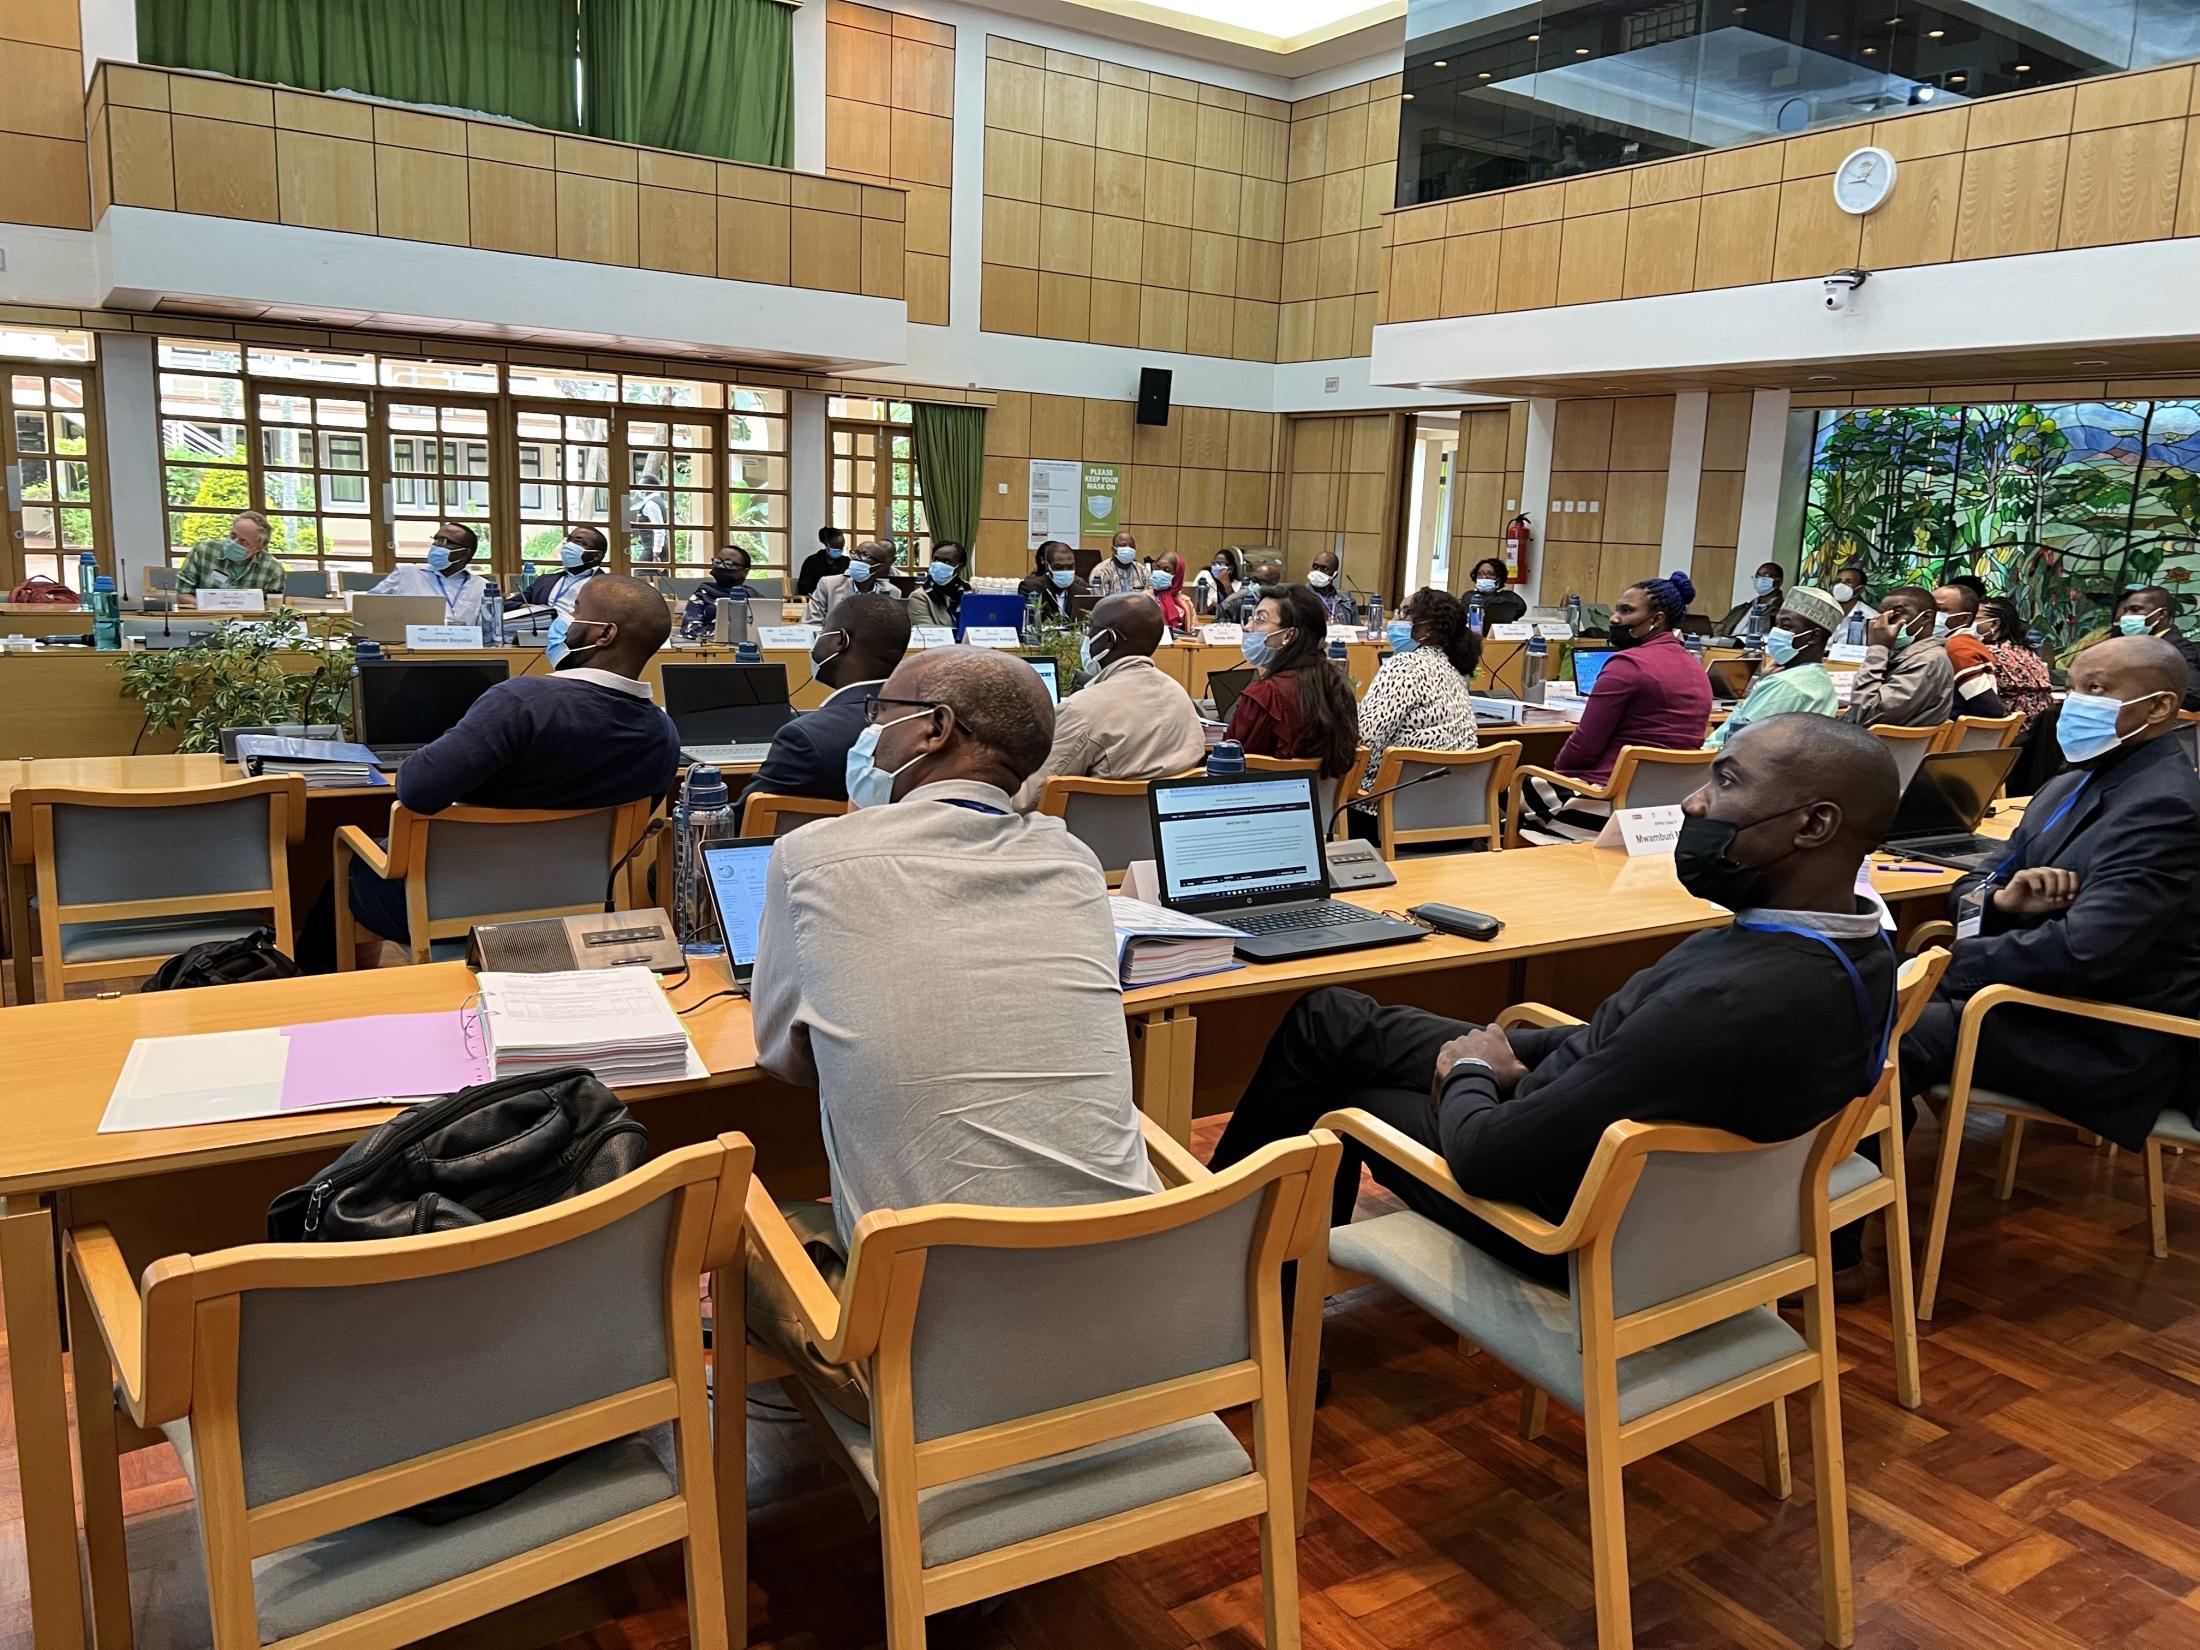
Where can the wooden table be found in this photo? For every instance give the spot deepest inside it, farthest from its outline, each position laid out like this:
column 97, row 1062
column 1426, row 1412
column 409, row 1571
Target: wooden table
column 44, row 619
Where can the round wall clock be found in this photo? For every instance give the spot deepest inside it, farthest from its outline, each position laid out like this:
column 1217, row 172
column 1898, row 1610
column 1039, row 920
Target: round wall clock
column 1864, row 181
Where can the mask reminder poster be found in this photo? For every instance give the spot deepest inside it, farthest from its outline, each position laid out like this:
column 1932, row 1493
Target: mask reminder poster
column 1103, row 485
column 1057, row 489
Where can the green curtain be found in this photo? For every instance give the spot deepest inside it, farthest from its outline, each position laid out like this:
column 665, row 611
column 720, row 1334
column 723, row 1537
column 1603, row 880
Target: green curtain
column 504, row 57
column 706, row 77
column 950, row 468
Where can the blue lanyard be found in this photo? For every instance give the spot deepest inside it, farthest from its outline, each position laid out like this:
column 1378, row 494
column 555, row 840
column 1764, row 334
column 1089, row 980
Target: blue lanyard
column 450, row 602
column 2054, row 819
column 1856, row 984
column 974, row 807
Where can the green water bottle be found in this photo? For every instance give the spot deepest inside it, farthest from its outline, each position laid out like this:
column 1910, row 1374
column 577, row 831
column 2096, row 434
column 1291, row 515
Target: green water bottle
column 106, row 608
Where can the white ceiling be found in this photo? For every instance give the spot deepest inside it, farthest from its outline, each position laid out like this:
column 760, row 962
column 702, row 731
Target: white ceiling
column 1286, row 38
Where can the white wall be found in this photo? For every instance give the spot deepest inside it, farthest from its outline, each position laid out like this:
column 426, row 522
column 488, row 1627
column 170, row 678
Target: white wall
column 130, row 397
column 109, row 32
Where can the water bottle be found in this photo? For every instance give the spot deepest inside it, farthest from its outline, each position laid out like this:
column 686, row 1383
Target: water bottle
column 700, row 816
column 2037, row 642
column 492, row 612
column 1374, row 618
column 748, row 653
column 1535, row 669
column 1474, row 612
column 1573, row 612
column 1031, row 620
column 1228, row 756
column 106, row 609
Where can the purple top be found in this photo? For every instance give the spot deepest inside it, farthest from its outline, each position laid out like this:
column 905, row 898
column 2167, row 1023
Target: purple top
column 1655, row 693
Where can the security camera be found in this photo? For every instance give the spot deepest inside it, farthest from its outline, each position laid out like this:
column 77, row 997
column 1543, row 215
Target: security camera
column 1841, row 283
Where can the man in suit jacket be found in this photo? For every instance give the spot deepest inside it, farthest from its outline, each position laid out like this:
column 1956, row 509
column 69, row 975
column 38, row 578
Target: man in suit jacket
column 2099, row 897
column 863, row 640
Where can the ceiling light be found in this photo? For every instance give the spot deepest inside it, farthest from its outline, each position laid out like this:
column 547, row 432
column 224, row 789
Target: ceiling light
column 2024, row 68
column 1935, row 34
column 1484, row 75
column 1581, row 51
column 1871, row 51
column 1833, row 37
column 1955, row 80
column 1407, row 97
column 1825, row 378
column 1535, row 37
column 1440, row 64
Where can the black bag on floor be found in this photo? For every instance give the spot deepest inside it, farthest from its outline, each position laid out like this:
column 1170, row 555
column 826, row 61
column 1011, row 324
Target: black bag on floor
column 224, row 962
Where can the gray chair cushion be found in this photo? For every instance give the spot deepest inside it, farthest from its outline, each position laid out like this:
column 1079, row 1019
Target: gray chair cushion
column 1529, row 1327
column 153, row 937
column 999, row 1509
column 2174, row 1126
column 1857, row 1170
column 317, row 1582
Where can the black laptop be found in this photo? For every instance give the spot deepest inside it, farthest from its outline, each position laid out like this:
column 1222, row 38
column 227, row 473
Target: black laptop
column 1224, row 686
column 726, row 714
column 1730, row 679
column 1246, row 851
column 402, row 704
column 1938, row 817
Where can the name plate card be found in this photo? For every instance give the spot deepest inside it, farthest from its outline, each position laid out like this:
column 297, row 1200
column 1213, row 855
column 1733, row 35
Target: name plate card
column 1518, row 631
column 1554, row 632
column 232, row 601
column 992, row 635
column 1644, row 832
column 1846, row 653
column 932, row 635
column 442, row 635
column 1223, row 635
column 803, row 636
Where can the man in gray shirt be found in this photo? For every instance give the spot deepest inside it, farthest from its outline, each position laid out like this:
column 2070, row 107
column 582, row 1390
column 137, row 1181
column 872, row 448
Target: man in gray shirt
column 1005, row 1078
column 1905, row 680
column 1132, row 720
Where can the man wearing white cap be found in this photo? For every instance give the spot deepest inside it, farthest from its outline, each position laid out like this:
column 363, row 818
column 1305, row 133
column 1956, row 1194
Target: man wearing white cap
column 1796, row 649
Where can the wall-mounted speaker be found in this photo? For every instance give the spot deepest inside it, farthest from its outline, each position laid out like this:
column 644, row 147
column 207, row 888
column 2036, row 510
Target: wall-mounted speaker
column 1153, row 394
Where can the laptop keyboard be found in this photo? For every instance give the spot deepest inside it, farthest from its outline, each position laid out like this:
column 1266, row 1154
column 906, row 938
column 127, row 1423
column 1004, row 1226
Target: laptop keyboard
column 1329, row 914
column 727, row 755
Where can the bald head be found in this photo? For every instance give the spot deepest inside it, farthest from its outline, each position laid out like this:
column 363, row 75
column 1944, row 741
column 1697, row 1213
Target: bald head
column 1805, row 798
column 1132, row 621
column 1003, row 721
column 639, row 613
column 1813, row 759
column 2125, row 667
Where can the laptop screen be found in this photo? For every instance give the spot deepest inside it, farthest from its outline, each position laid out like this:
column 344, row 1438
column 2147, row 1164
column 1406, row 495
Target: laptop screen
column 1228, row 844
column 1049, row 673
column 1730, row 678
column 1949, row 793
column 411, row 701
column 1224, row 686
column 736, row 872
column 725, row 704
column 1589, row 664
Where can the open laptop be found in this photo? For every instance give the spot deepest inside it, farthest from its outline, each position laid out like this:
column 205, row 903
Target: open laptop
column 735, row 871
column 1247, row 852
column 1589, row 663
column 402, row 704
column 1050, row 672
column 385, row 617
column 1224, row 686
column 1937, row 819
column 1730, row 679
column 726, row 713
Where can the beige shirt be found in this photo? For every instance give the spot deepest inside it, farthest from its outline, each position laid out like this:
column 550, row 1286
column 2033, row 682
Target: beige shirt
column 1132, row 721
column 943, row 971
column 834, row 586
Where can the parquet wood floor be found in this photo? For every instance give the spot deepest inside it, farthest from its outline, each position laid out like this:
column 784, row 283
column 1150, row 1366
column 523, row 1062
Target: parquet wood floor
column 2046, row 1498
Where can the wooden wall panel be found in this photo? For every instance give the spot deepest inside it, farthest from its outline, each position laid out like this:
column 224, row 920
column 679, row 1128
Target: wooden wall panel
column 1344, row 477
column 45, row 175
column 890, row 119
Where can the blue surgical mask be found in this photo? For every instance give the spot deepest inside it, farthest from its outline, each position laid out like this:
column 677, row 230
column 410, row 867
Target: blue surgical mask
column 860, row 570
column 839, row 552
column 558, row 648
column 1400, row 632
column 2086, row 729
column 439, row 558
column 572, row 554
column 1125, row 554
column 1940, row 624
column 234, row 552
column 1257, row 647
column 1486, row 586
column 1162, row 579
column 870, row 786
column 1764, row 586
column 943, row 572
column 1091, row 658
column 2133, row 624
column 1063, row 577
column 1780, row 646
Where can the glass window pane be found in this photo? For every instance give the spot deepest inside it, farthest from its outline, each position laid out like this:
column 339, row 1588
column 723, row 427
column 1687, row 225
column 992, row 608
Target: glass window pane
column 30, row 433
column 287, row 490
column 28, row 390
column 324, row 366
column 194, row 396
column 35, row 477
column 562, row 384
column 456, row 377
column 76, row 530
column 72, row 432
column 192, row 355
column 73, row 479
column 38, row 527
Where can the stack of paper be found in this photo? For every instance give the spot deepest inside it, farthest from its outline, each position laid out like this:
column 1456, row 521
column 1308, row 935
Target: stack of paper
column 1155, row 945
column 328, row 764
column 615, row 1021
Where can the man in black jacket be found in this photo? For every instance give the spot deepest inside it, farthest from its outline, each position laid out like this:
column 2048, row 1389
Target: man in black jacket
column 1793, row 805
column 2152, row 611
column 863, row 639
column 2099, row 897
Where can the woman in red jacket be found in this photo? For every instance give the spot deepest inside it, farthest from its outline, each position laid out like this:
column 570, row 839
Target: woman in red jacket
column 1300, row 704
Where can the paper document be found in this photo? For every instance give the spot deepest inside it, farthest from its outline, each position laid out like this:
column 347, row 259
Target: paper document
column 167, row 1082
column 1154, row 945
column 615, row 1021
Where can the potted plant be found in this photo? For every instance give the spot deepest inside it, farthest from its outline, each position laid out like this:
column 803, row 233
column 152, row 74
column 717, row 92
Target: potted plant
column 237, row 676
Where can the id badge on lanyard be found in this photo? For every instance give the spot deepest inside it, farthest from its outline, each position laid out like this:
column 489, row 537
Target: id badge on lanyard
column 1971, row 907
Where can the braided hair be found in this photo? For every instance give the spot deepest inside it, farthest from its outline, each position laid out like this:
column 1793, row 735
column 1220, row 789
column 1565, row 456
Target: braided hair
column 1442, row 618
column 1671, row 595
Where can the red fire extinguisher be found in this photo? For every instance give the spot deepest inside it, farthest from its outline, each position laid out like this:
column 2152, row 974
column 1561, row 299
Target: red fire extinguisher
column 1519, row 540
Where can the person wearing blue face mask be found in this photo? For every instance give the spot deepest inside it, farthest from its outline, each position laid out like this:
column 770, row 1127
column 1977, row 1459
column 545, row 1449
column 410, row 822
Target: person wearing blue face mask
column 1795, row 680
column 1300, row 704
column 2151, row 610
column 468, row 598
column 1499, row 605
column 580, row 559
column 937, row 599
column 1419, row 699
column 1120, row 569
column 1131, row 720
column 1264, row 575
column 239, row 562
column 2098, row 897
column 1053, row 579
column 830, row 557
column 870, row 572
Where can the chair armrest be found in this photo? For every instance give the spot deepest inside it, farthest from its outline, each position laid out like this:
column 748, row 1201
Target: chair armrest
column 118, row 1311
column 774, row 1248
column 350, row 839
column 1528, row 770
column 1172, row 1162
column 2003, row 996
column 1929, row 934
column 1535, row 1014
column 1429, row 1168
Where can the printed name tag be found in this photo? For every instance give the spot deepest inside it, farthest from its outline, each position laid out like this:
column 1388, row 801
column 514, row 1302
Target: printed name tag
column 232, row 601
column 992, row 635
column 1517, row 631
column 443, row 635
column 1846, row 653
column 1346, row 633
column 1223, row 635
column 1644, row 832
column 932, row 635
column 803, row 636
column 1555, row 632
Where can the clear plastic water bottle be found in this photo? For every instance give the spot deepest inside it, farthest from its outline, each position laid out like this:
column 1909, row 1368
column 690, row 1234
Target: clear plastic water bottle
column 87, row 570
column 1535, row 669
column 703, row 814
column 1573, row 612
column 106, row 608
column 1228, row 756
column 492, row 612
column 1031, row 620
column 1374, row 618
column 1474, row 612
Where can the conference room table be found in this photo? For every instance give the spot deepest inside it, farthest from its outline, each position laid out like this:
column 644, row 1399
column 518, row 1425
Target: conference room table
column 1578, row 921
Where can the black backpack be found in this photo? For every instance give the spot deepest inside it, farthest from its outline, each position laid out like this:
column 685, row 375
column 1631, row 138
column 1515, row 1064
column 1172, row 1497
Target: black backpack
column 224, row 962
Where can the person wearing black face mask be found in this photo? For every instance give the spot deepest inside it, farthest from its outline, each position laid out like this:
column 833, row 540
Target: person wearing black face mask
column 862, row 640
column 729, row 581
column 1794, row 804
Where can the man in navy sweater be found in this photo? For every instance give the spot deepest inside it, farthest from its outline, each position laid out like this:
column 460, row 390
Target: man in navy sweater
column 585, row 736
column 863, row 639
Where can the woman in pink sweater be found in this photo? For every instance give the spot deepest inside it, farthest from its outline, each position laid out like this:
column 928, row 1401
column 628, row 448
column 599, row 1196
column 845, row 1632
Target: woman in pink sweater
column 1654, row 693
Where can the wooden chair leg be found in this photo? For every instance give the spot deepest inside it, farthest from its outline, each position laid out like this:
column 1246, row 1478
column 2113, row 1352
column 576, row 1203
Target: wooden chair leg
column 1308, row 1298
column 100, row 1464
column 1909, row 1385
column 347, row 928
column 1279, row 1534
column 1944, row 1191
column 1773, row 1432
column 2012, row 1142
column 1535, row 1410
column 2157, row 1201
column 1608, row 1531
column 1830, row 1481
column 730, row 1441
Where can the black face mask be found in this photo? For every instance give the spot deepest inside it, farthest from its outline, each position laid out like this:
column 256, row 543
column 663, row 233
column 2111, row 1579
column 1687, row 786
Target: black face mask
column 1621, row 636
column 1701, row 861
column 727, row 577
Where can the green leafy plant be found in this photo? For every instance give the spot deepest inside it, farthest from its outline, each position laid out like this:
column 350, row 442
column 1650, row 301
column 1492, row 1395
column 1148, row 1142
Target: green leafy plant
column 237, row 676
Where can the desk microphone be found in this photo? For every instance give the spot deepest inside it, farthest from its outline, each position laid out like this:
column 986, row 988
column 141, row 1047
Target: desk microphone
column 1374, row 796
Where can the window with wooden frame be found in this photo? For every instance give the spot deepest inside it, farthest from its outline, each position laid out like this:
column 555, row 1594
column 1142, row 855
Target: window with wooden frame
column 50, row 445
column 873, row 475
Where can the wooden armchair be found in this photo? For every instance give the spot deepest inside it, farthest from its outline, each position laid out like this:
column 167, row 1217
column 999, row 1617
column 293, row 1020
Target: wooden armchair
column 1109, row 816
column 960, row 1314
column 1644, row 776
column 768, row 813
column 1466, row 806
column 1978, row 733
